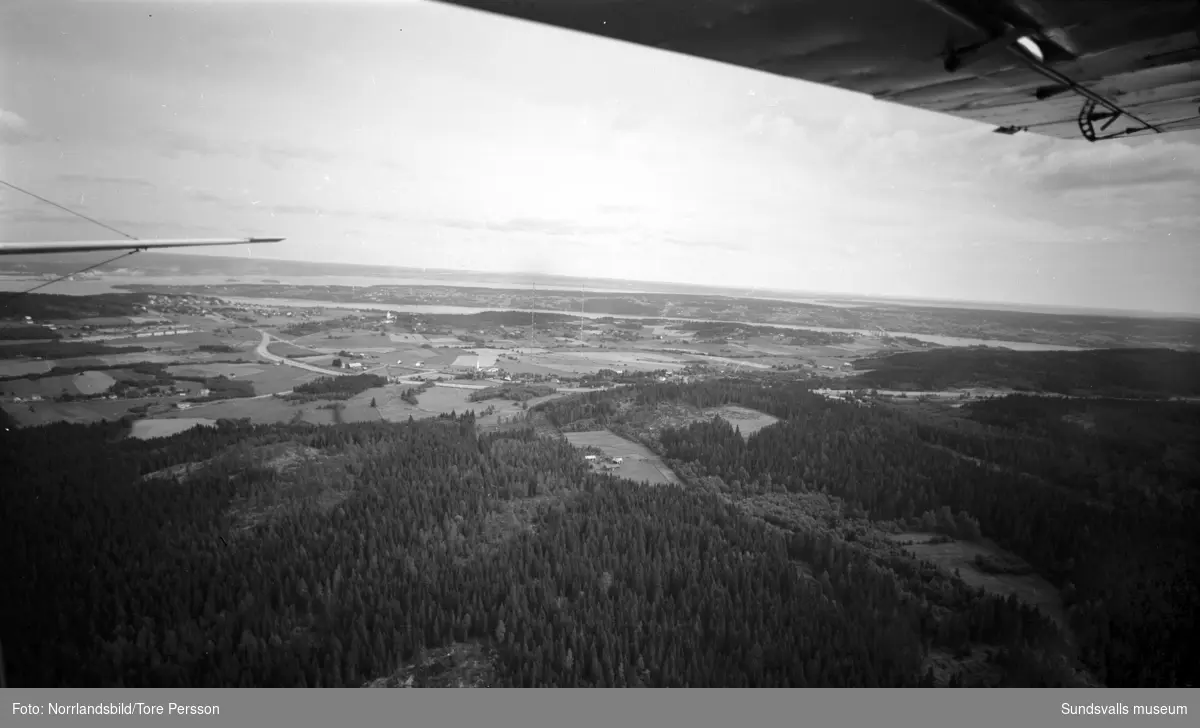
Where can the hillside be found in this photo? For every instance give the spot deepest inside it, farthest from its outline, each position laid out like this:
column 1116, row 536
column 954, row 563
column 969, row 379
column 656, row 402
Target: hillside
column 369, row 553
column 1103, row 372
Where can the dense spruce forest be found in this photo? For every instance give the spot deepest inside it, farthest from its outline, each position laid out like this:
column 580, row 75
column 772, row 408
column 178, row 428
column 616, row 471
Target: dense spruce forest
column 340, row 387
column 1099, row 496
column 332, row 556
column 42, row 306
column 1103, row 372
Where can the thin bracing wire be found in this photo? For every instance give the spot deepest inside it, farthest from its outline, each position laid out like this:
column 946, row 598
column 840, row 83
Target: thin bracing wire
column 77, row 214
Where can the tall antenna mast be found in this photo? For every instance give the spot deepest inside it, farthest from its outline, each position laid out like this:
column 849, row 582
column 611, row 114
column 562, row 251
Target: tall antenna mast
column 582, row 302
column 534, row 306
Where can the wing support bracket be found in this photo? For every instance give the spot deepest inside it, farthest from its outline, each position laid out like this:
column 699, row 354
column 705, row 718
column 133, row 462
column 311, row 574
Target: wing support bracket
column 1089, row 116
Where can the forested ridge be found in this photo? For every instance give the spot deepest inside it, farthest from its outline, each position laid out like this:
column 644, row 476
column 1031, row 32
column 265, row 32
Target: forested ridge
column 1105, row 510
column 1105, row 372
column 326, row 556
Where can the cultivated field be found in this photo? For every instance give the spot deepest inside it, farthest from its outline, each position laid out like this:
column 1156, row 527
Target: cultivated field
column 93, row 382
column 417, row 339
column 1029, row 588
column 43, row 413
column 274, row 379
column 437, row 400
column 640, row 464
column 260, row 410
column 279, row 348
column 20, row 367
column 337, row 340
column 45, row 387
column 217, row 369
column 591, row 361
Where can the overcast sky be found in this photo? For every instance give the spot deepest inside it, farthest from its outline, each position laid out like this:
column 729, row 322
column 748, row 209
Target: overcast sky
column 415, row 134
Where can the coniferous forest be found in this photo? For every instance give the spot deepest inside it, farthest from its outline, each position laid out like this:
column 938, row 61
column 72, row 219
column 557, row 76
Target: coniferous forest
column 333, row 556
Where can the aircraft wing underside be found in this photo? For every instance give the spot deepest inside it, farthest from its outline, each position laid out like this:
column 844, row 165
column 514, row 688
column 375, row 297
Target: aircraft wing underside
column 87, row 246
column 1099, row 69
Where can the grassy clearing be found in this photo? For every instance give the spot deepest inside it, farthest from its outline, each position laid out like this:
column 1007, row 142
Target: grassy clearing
column 959, row 556
column 147, row 429
column 747, row 420
column 640, row 463
column 507, row 409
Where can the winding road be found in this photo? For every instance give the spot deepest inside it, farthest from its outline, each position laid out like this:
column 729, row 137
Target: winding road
column 265, row 354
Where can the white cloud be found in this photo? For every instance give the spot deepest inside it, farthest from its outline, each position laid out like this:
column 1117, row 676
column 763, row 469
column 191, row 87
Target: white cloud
column 13, row 127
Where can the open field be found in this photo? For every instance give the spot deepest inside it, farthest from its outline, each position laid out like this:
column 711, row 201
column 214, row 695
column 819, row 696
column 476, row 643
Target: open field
column 260, row 410
column 747, row 420
column 394, row 409
column 417, row 339
column 31, row 414
column 1029, row 588
column 279, row 348
column 505, row 408
column 108, row 359
column 19, row 367
column 445, row 399
column 482, row 360
column 413, row 355
column 273, row 379
column 591, row 361
column 640, row 463
column 440, row 357
column 216, row 369
column 45, row 387
column 190, row 341
column 358, row 408
column 147, row 429
column 93, row 382
column 432, row 402
column 337, row 340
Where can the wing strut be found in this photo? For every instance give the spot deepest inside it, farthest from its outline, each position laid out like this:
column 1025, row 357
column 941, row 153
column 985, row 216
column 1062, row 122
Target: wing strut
column 68, row 275
column 1024, row 44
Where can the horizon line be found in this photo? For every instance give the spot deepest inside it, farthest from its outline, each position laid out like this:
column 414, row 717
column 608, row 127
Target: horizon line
column 832, row 295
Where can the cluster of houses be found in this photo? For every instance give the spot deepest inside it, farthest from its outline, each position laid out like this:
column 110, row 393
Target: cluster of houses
column 181, row 304
column 603, row 462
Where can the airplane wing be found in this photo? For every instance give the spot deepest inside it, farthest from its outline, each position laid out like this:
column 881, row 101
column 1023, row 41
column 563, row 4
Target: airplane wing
column 85, row 246
column 1072, row 69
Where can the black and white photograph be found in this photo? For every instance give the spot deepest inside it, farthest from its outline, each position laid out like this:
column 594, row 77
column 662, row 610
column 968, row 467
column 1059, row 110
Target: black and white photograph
column 600, row 344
